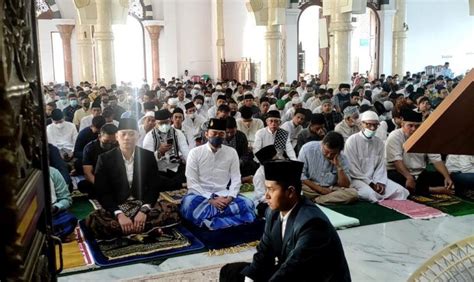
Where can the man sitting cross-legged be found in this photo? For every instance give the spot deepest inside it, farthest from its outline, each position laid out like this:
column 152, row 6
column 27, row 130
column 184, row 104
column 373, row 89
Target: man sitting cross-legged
column 365, row 152
column 211, row 200
column 127, row 185
column 299, row 243
column 326, row 171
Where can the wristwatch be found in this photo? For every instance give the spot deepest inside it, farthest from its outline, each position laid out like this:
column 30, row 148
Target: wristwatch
column 145, row 209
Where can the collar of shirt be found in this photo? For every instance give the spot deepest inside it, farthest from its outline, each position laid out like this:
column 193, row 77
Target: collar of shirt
column 269, row 131
column 284, row 220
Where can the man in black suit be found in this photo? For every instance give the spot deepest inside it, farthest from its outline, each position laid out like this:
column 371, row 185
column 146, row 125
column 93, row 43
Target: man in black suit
column 299, row 243
column 127, row 185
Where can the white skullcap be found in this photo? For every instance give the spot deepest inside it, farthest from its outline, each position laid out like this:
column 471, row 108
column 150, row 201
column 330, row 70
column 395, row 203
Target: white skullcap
column 218, row 87
column 197, row 86
column 296, row 100
column 369, row 115
column 172, row 101
column 273, row 108
column 388, row 105
column 150, row 114
column 367, row 85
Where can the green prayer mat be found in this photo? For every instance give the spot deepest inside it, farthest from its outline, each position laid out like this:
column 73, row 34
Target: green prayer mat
column 81, row 207
column 368, row 213
column 452, row 205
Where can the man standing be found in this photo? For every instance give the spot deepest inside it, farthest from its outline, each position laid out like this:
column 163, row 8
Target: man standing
column 299, row 243
column 127, row 185
column 211, row 201
column 365, row 152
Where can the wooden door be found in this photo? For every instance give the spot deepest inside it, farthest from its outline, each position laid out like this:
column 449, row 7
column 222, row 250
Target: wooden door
column 27, row 246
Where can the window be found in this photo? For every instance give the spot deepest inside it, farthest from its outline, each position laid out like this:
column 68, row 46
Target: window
column 58, row 57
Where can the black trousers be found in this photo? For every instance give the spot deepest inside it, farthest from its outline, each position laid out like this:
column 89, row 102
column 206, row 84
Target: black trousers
column 87, row 187
column 424, row 181
column 231, row 272
column 173, row 180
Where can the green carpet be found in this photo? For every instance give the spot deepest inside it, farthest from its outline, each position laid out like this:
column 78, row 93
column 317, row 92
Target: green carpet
column 368, row 213
column 81, row 207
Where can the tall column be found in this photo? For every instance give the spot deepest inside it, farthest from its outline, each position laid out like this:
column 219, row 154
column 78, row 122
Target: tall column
column 104, row 39
column 399, row 38
column 154, row 32
column 340, row 32
column 65, row 31
column 86, row 54
column 273, row 40
column 220, row 42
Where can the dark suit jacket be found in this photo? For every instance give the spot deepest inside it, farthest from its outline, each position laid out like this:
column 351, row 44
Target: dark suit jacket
column 111, row 181
column 311, row 249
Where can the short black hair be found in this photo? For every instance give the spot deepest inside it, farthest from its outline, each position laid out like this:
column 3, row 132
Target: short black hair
column 231, row 123
column 108, row 129
column 223, row 108
column 98, row 122
column 334, row 140
column 108, row 112
column 149, row 106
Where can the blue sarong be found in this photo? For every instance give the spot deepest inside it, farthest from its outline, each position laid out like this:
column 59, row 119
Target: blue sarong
column 196, row 208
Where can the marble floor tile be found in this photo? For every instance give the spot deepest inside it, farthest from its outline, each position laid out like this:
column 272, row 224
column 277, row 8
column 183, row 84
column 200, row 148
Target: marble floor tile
column 380, row 252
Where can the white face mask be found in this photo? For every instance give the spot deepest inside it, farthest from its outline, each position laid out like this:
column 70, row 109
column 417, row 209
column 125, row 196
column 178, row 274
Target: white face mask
column 368, row 133
column 344, row 92
column 198, row 106
column 207, row 99
column 193, row 115
column 164, row 128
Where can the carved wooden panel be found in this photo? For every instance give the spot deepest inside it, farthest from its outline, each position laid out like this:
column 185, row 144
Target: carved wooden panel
column 240, row 70
column 24, row 184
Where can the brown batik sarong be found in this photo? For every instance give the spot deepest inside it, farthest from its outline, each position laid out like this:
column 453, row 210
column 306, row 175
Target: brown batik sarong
column 104, row 225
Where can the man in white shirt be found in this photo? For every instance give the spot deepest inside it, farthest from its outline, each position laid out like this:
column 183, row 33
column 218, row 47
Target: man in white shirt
column 248, row 125
column 365, row 153
column 302, row 89
column 96, row 110
column 211, row 200
column 461, row 168
column 170, row 148
column 273, row 134
column 181, row 100
column 62, row 134
column 350, row 124
column 409, row 169
column 147, row 125
column 192, row 124
column 295, row 126
column 221, row 99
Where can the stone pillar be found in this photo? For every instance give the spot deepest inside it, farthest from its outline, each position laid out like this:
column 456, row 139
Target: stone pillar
column 273, row 40
column 220, row 42
column 65, row 31
column 104, row 39
column 399, row 38
column 340, row 32
column 154, row 32
column 86, row 54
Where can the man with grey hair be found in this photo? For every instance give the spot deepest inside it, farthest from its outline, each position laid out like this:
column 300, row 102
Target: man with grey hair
column 350, row 124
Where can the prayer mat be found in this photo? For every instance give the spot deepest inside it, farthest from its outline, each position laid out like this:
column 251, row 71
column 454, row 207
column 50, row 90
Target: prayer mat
column 449, row 204
column 175, row 196
column 368, row 213
column 228, row 237
column 126, row 250
column 412, row 209
column 467, row 195
column 81, row 207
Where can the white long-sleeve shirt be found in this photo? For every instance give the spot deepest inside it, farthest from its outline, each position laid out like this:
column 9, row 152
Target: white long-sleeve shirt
column 460, row 163
column 209, row 173
column 293, row 131
column 251, row 130
column 366, row 159
column 259, row 186
column 265, row 137
column 62, row 135
column 192, row 128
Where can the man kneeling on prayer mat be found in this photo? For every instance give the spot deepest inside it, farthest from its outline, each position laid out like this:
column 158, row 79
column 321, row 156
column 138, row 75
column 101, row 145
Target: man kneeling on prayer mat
column 128, row 185
column 299, row 243
column 212, row 200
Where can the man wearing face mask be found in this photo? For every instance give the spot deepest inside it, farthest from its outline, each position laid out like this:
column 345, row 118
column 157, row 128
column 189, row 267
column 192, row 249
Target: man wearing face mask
column 201, row 107
column 211, row 201
column 84, row 111
column 342, row 97
column 170, row 148
column 192, row 123
column 63, row 102
column 72, row 108
column 62, row 134
column 105, row 142
column 350, row 124
column 234, row 109
column 365, row 153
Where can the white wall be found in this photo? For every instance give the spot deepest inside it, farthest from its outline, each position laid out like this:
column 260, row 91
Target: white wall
column 439, row 31
column 45, row 27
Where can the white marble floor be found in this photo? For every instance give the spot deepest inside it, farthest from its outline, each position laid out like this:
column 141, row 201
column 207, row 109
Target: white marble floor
column 380, row 252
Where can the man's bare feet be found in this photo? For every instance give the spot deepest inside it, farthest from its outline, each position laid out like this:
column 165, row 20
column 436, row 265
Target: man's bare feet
column 441, row 190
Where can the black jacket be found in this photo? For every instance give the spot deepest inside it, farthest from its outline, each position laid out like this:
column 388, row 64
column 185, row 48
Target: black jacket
column 111, row 179
column 311, row 249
